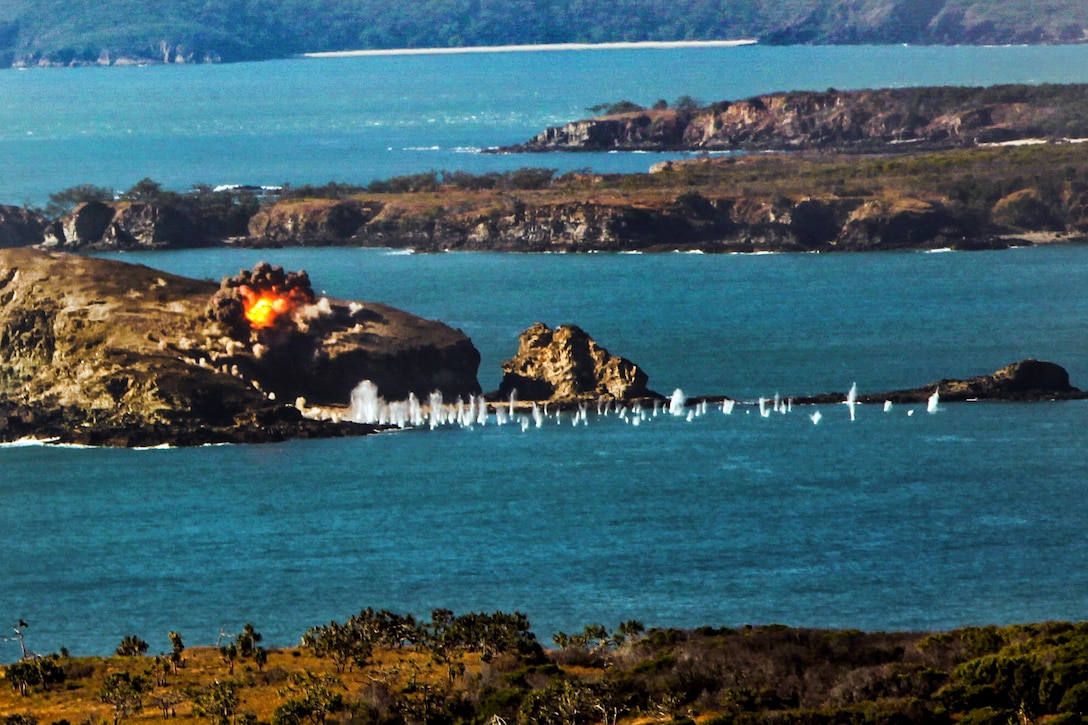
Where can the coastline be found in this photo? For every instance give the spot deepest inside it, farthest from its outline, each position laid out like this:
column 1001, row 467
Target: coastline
column 639, row 45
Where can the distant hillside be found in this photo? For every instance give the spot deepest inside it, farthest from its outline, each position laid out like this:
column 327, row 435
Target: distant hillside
column 58, row 32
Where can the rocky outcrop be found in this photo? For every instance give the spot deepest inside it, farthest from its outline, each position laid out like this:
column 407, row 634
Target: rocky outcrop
column 898, row 223
column 20, row 227
column 566, row 365
column 99, row 352
column 859, row 121
column 689, row 221
column 310, row 222
column 124, row 225
column 1027, row 380
column 1025, row 210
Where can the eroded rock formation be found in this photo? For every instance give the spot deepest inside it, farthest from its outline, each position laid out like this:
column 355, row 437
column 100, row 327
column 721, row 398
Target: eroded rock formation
column 566, row 365
column 867, row 120
column 310, row 222
column 20, row 227
column 130, row 225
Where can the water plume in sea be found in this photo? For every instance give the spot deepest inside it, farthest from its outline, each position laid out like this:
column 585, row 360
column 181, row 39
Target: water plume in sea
column 852, row 401
column 368, row 406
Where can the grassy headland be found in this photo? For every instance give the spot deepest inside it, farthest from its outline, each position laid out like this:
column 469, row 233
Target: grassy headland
column 383, row 668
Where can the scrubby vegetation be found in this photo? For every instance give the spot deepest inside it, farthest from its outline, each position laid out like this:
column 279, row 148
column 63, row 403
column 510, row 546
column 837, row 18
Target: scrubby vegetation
column 389, row 669
column 1030, row 188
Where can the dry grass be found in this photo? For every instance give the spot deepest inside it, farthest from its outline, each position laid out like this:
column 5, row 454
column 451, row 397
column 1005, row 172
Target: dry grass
column 77, row 699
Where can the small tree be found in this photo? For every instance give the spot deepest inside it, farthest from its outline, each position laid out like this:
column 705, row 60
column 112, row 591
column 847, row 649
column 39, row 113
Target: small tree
column 229, row 653
column 64, row 201
column 42, row 671
column 613, row 109
column 167, row 703
column 131, row 646
column 218, row 702
column 309, row 696
column 629, row 631
column 177, row 647
column 22, row 676
column 145, row 190
column 125, row 693
column 345, row 645
column 687, row 104
column 260, row 658
column 247, row 641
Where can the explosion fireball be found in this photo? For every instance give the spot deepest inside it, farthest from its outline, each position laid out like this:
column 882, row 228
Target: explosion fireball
column 263, row 307
column 258, row 299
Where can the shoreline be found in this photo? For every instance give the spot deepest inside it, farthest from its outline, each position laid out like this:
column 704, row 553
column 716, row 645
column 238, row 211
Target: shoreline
column 639, row 45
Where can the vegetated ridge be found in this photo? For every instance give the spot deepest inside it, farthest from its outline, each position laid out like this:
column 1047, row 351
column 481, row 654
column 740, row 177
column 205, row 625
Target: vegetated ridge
column 965, row 199
column 384, row 668
column 55, row 32
column 883, row 120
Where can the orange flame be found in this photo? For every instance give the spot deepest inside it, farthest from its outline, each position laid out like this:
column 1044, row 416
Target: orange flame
column 264, row 307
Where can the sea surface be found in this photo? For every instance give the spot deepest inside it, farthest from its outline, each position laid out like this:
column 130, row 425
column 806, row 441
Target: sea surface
column 896, row 520
column 359, row 119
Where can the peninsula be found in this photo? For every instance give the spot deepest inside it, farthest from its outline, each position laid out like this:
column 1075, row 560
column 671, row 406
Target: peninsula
column 884, row 120
column 971, row 198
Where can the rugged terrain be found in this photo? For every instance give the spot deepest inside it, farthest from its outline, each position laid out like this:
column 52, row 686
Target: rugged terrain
column 100, row 352
column 801, row 201
column 862, row 121
column 566, row 365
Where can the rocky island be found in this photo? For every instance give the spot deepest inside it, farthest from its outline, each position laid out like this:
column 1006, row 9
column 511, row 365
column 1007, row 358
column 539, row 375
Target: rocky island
column 99, row 352
column 104, row 353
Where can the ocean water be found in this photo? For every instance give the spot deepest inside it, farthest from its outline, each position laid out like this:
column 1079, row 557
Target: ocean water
column 358, row 119
column 899, row 520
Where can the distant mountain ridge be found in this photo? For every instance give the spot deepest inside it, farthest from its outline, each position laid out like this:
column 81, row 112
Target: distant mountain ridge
column 57, row 32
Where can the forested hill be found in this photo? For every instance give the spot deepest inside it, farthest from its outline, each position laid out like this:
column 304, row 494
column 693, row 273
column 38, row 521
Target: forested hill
column 62, row 32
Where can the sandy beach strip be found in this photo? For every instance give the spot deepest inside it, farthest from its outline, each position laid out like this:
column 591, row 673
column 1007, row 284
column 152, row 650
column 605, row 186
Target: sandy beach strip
column 642, row 45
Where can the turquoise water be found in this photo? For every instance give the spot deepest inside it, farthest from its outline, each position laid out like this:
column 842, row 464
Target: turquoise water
column 970, row 515
column 974, row 514
column 357, row 119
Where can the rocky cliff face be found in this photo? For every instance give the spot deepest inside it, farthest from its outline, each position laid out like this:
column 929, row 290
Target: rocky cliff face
column 132, row 226
column 870, row 120
column 566, row 365
column 100, row 352
column 686, row 222
column 309, row 222
column 20, row 227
